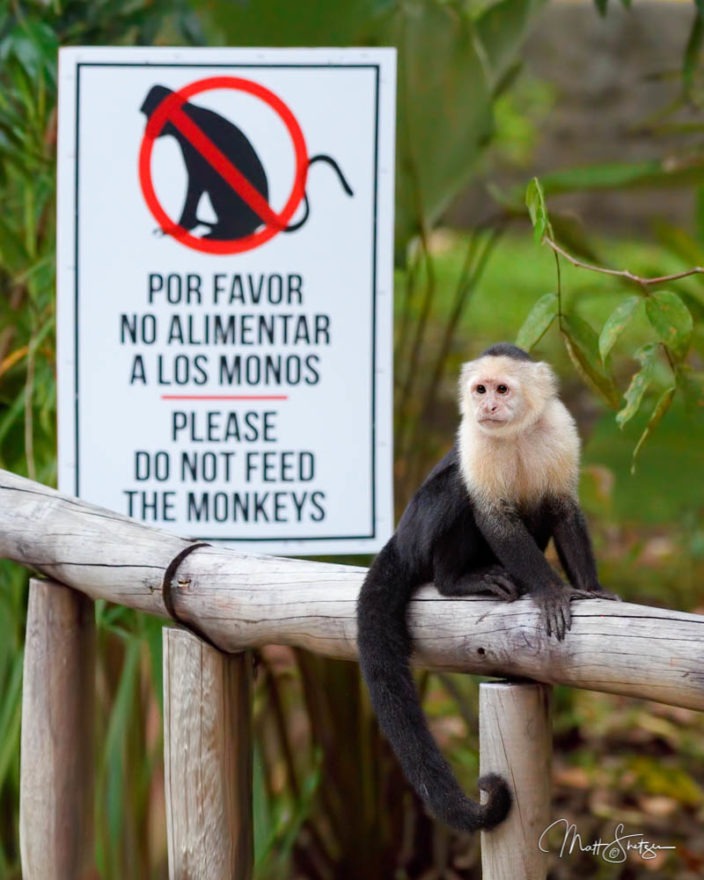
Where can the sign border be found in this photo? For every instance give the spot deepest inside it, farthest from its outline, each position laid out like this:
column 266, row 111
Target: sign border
column 377, row 518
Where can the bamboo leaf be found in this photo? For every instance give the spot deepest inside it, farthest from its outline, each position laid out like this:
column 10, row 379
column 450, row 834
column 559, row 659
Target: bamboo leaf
column 640, row 383
column 681, row 242
column 501, row 29
column 671, row 320
column 661, row 407
column 538, row 322
column 569, row 231
column 582, row 345
column 537, row 209
column 615, row 325
column 13, row 253
column 616, row 175
column 692, row 51
column 691, row 385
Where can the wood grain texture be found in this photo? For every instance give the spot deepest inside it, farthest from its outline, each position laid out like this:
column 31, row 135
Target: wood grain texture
column 243, row 602
column 56, row 785
column 207, row 760
column 515, row 741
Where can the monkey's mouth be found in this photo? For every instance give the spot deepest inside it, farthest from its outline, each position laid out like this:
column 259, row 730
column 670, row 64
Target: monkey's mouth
column 490, row 420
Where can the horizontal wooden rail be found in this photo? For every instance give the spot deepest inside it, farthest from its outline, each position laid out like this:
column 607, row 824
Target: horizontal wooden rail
column 243, row 602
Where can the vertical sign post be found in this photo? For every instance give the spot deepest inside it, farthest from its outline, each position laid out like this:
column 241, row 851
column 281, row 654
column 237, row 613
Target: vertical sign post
column 225, row 291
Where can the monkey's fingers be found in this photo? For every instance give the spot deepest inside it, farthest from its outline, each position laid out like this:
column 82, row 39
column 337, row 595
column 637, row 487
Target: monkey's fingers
column 555, row 609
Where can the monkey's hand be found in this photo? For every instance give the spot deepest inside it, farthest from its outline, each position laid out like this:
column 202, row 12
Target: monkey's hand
column 553, row 602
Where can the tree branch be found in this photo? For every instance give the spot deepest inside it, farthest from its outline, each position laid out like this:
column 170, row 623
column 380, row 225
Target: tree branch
column 620, row 273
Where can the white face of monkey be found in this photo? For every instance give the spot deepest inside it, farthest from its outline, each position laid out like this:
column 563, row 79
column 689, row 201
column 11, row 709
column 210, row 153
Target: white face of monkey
column 503, row 395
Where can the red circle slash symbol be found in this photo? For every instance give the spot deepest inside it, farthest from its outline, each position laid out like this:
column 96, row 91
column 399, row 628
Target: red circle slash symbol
column 170, row 111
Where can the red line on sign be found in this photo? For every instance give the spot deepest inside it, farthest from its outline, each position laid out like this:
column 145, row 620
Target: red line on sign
column 229, row 172
column 224, row 397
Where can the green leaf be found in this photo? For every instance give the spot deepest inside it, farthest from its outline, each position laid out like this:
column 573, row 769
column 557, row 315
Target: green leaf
column 699, row 215
column 538, row 321
column 13, row 253
column 641, row 381
column 569, row 231
column 582, row 345
column 616, row 175
column 537, row 209
column 282, row 23
column 692, row 52
column 616, row 323
column 444, row 111
column 501, row 30
column 691, row 384
column 681, row 242
column 661, row 407
column 671, row 320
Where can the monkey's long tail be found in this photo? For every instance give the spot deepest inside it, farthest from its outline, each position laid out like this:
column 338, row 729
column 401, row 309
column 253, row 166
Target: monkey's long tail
column 384, row 652
column 292, row 227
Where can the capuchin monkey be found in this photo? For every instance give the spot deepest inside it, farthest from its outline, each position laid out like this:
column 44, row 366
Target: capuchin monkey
column 478, row 524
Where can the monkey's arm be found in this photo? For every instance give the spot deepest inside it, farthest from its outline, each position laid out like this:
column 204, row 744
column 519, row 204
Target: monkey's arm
column 574, row 548
column 573, row 545
column 516, row 550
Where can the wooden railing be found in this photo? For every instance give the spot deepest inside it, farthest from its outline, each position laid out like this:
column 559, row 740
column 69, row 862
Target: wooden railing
column 237, row 603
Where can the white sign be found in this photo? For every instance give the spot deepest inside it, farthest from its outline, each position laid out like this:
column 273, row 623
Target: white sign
column 225, row 292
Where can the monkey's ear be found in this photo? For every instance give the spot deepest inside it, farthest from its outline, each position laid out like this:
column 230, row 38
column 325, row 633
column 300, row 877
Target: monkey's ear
column 545, row 379
column 466, row 373
column 468, row 369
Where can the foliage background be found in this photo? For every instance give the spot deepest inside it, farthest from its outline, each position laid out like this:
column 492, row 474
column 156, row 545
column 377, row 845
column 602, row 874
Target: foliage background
column 329, row 799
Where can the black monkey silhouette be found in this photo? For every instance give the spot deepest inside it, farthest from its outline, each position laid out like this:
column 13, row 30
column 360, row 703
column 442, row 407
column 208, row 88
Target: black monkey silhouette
column 235, row 218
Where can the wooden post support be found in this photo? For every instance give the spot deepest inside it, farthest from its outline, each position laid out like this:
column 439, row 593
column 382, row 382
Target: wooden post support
column 208, row 760
column 515, row 741
column 56, row 765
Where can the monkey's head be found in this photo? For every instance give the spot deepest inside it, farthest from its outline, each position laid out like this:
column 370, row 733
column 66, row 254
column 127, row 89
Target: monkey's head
column 155, row 96
column 504, row 392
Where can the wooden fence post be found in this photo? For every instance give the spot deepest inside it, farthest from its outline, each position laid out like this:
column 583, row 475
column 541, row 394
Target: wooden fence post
column 515, row 741
column 208, row 760
column 56, row 765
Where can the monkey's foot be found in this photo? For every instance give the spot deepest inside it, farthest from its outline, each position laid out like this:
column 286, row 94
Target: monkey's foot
column 595, row 593
column 492, row 579
column 496, row 580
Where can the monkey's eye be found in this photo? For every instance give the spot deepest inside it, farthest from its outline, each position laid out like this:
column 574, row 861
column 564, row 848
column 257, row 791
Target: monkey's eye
column 502, row 389
column 481, row 389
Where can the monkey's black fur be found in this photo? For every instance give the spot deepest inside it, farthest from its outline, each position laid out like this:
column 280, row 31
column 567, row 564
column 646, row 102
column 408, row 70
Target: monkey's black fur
column 445, row 538
column 422, row 549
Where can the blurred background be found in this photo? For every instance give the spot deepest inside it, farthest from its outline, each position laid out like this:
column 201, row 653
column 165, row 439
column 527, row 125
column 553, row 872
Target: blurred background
column 602, row 103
